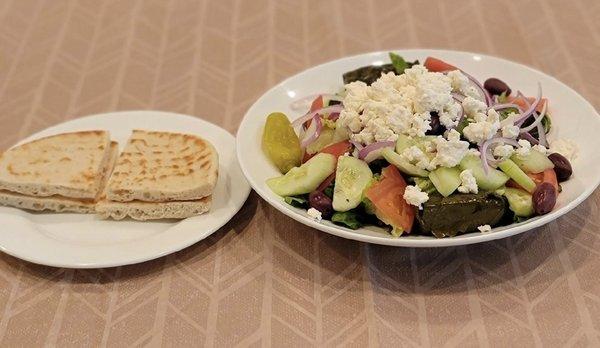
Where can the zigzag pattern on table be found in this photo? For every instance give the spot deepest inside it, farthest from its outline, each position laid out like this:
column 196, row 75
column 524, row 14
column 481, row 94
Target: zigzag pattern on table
column 265, row 279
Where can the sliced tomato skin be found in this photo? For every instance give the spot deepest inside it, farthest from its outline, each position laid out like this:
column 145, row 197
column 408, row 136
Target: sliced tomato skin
column 521, row 102
column 548, row 175
column 387, row 197
column 317, row 104
column 337, row 149
column 437, row 65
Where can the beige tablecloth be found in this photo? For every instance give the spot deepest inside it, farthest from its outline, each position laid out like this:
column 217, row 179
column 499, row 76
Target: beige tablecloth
column 263, row 279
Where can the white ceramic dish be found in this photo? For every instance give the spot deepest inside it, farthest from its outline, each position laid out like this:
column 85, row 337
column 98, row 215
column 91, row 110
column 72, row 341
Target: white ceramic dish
column 85, row 241
column 572, row 117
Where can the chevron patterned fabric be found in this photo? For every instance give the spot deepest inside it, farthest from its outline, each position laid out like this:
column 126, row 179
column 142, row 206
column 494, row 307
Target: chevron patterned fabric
column 264, row 279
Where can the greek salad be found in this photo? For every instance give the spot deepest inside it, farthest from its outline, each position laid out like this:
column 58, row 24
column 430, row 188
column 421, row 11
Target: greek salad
column 419, row 149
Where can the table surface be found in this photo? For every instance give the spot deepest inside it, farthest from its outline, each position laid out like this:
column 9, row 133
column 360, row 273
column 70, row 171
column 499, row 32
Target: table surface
column 263, row 279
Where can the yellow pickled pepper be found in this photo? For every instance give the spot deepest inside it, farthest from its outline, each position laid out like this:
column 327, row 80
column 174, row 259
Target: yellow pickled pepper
column 280, row 142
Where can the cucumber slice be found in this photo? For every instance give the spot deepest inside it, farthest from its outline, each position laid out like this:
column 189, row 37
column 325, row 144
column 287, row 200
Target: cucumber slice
column 324, row 139
column 351, row 178
column 519, row 201
column 446, row 180
column 404, row 142
column 403, row 165
column 304, row 179
column 511, row 169
column 490, row 182
column 534, row 162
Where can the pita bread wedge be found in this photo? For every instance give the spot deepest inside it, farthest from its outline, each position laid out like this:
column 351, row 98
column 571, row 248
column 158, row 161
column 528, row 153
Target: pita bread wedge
column 139, row 210
column 163, row 167
column 60, row 204
column 66, row 164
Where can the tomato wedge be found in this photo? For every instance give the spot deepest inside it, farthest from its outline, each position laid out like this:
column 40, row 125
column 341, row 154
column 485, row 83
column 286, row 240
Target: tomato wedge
column 548, row 175
column 521, row 102
column 437, row 65
column 317, row 104
column 337, row 149
column 387, row 197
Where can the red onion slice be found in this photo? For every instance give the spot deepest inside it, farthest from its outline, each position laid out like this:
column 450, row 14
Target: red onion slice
column 537, row 121
column 304, row 102
column 458, row 96
column 483, row 148
column 542, row 135
column 371, row 152
column 313, row 132
column 357, row 145
column 529, row 138
column 507, row 106
column 484, row 92
column 462, row 112
column 326, row 110
column 531, row 108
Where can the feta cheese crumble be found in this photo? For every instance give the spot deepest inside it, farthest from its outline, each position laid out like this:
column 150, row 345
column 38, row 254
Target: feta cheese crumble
column 315, row 214
column 461, row 84
column 503, row 151
column 524, row 147
column 468, row 182
column 484, row 127
column 414, row 196
column 397, row 104
column 484, row 228
column 450, row 152
column 565, row 147
column 541, row 149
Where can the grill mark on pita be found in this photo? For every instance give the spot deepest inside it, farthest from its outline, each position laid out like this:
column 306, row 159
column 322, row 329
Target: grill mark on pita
column 11, row 169
column 205, row 165
column 65, row 159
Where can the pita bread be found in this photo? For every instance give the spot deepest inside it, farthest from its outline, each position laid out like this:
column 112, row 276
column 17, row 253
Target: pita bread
column 161, row 167
column 139, row 210
column 59, row 203
column 67, row 164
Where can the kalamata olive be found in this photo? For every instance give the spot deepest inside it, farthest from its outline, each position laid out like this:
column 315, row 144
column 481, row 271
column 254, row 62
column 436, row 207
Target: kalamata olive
column 562, row 166
column 544, row 198
column 436, row 127
column 320, row 201
column 496, row 86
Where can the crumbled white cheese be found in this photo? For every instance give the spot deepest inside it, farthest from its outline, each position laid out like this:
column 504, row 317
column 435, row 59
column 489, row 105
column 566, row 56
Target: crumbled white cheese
column 565, row 147
column 468, row 182
column 483, row 128
column 524, row 147
column 397, row 104
column 503, row 151
column 414, row 196
column 417, row 157
column 450, row 152
column 484, row 228
column 541, row 149
column 510, row 131
column 473, row 107
column 461, row 84
column 474, row 152
column 315, row 214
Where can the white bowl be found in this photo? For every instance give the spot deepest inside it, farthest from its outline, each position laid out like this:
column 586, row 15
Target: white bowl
column 572, row 118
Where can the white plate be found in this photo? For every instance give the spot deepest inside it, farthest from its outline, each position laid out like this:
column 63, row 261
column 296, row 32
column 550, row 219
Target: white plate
column 573, row 117
column 85, row 241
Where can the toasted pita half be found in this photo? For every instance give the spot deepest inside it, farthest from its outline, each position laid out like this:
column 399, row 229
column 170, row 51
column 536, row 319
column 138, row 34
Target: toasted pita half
column 59, row 203
column 161, row 167
column 139, row 210
column 69, row 165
